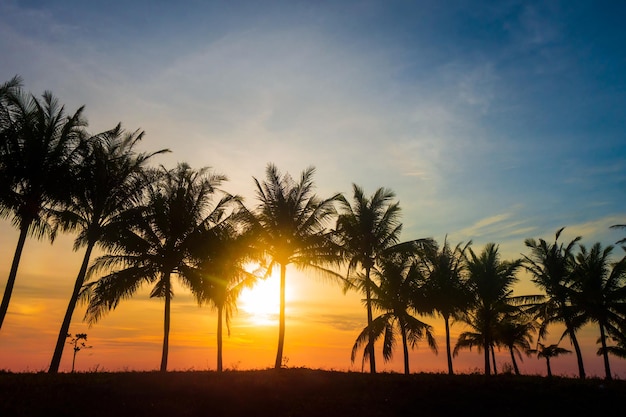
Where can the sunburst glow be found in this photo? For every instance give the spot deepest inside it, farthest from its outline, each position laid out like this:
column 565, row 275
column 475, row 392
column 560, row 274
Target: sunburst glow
column 262, row 301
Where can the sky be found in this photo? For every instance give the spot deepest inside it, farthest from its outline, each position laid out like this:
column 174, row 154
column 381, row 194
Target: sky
column 491, row 121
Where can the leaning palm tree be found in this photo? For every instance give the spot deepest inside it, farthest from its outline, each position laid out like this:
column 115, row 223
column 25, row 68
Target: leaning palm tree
column 109, row 182
column 598, row 292
column 38, row 152
column 548, row 352
column 224, row 255
column 490, row 281
column 158, row 243
column 515, row 332
column 444, row 289
column 289, row 223
column 551, row 266
column 365, row 230
column 398, row 275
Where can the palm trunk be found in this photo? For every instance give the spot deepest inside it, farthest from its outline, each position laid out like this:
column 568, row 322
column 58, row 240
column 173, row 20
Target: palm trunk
column 486, row 348
column 493, row 358
column 405, row 347
column 281, row 319
column 515, row 368
column 13, row 273
column 219, row 338
column 65, row 327
column 166, row 324
column 549, row 369
column 579, row 355
column 446, row 319
column 74, row 358
column 370, row 336
column 605, row 354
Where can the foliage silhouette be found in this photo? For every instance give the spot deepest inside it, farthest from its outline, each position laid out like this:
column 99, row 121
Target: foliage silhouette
column 159, row 242
column 289, row 225
column 548, row 352
column 551, row 267
column 109, row 182
column 38, row 153
column 598, row 292
column 366, row 228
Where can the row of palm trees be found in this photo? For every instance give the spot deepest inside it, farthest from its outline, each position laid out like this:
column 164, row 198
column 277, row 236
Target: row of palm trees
column 157, row 224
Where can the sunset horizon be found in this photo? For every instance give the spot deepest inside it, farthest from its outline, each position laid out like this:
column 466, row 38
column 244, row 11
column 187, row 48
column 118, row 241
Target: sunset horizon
column 490, row 123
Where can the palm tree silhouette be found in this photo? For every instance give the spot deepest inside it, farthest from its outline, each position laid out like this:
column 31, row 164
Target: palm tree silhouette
column 289, row 224
column 515, row 332
column 365, row 230
column 398, row 275
column 224, row 255
column 38, row 153
column 551, row 267
column 159, row 242
column 548, row 352
column 444, row 289
column 490, row 281
column 108, row 183
column 598, row 291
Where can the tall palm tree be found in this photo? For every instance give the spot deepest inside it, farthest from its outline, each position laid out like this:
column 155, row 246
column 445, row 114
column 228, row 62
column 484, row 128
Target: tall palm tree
column 548, row 352
column 598, row 290
column 551, row 266
column 159, row 243
column 224, row 255
column 490, row 281
column 38, row 152
column 289, row 223
column 365, row 230
column 515, row 332
column 109, row 182
column 444, row 290
column 398, row 275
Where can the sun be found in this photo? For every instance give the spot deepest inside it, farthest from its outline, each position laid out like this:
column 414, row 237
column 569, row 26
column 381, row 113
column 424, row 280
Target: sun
column 262, row 301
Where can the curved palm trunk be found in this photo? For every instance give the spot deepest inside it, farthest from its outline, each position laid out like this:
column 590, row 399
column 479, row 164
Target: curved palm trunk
column 405, row 347
column 220, row 311
column 166, row 324
column 281, row 319
column 370, row 336
column 8, row 290
column 65, row 326
column 548, row 365
column 579, row 355
column 515, row 368
column 446, row 319
column 605, row 354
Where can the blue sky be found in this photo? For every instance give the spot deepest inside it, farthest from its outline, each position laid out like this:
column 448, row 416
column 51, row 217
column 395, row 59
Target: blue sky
column 492, row 121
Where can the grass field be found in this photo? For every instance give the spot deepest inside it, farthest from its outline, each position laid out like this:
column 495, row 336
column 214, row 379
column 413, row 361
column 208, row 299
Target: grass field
column 303, row 392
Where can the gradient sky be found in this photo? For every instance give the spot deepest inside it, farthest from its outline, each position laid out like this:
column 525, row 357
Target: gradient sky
column 492, row 121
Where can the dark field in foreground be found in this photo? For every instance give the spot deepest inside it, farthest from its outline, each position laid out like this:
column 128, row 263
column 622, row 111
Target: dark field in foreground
column 303, row 392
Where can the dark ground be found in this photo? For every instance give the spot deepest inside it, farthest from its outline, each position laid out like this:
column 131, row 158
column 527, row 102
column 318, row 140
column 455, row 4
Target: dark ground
column 303, row 392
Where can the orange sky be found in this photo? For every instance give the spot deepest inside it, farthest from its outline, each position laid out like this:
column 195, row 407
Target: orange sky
column 322, row 324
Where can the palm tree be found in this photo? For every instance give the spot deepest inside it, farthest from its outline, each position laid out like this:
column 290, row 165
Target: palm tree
column 398, row 275
column 515, row 332
column 109, row 182
column 445, row 291
column 598, row 290
column 38, row 152
column 159, row 243
column 490, row 281
column 224, row 255
column 548, row 352
column 551, row 267
column 290, row 227
column 365, row 229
